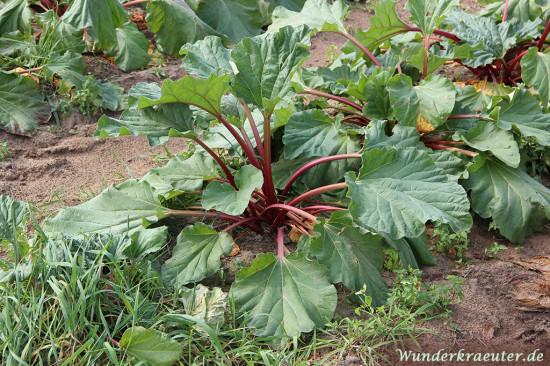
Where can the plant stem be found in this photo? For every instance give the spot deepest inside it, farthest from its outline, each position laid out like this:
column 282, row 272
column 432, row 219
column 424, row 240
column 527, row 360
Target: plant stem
column 445, row 147
column 354, row 120
column 322, row 208
column 248, row 150
column 316, row 191
column 313, row 163
column 505, row 11
column 425, row 66
column 280, row 243
column 438, row 32
column 362, row 48
column 241, row 222
column 28, row 71
column 464, row 116
column 333, row 97
column 249, row 143
column 284, row 208
column 257, row 137
column 268, row 188
column 209, row 214
column 542, row 39
column 135, row 2
column 219, row 161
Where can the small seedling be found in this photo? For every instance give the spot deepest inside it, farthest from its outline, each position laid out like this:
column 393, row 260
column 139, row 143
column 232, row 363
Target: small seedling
column 453, row 244
column 4, row 151
column 492, row 252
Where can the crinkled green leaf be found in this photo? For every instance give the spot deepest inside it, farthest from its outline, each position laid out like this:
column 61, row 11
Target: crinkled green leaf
column 535, row 68
column 523, row 10
column 15, row 15
column 451, row 164
column 126, row 208
column 432, row 100
column 237, row 19
column 294, row 5
column 225, row 198
column 15, row 44
column 384, row 25
column 523, row 113
column 377, row 100
column 22, row 106
column 401, row 136
column 398, row 190
column 311, row 133
column 325, row 77
column 206, row 305
column 412, row 252
column 68, row 61
column 206, row 57
column 487, row 136
column 284, row 296
column 438, row 56
column 428, row 14
column 13, row 215
column 147, row 241
column 352, row 256
column 317, row 14
column 104, row 16
column 220, row 137
column 196, row 254
column 266, row 64
column 149, row 345
column 203, row 93
column 517, row 203
column 130, row 51
column 186, row 175
column 175, row 25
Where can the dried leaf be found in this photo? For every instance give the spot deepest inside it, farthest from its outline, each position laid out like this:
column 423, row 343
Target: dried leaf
column 532, row 294
column 538, row 263
column 488, row 332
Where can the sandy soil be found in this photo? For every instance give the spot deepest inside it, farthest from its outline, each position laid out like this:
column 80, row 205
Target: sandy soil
column 63, row 165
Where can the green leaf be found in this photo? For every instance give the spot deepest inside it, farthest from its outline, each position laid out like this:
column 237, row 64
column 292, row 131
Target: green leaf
column 311, row 133
column 398, row 190
column 475, row 30
column 13, row 215
column 412, row 252
column 266, row 64
column 126, row 208
column 186, row 175
column 69, row 61
column 202, row 93
column 401, row 137
column 147, row 241
column 196, row 254
column 66, row 37
column 377, row 100
column 317, row 14
column 225, row 198
column 206, row 305
column 487, row 136
column 130, row 51
column 384, row 25
column 175, row 25
column 451, row 164
column 523, row 113
column 294, row 5
column 158, row 124
column 284, row 297
column 150, row 345
column 22, row 106
column 535, row 67
column 15, row 15
column 237, row 19
column 438, row 56
column 102, row 15
column 352, row 256
column 523, row 10
column 432, row 100
column 517, row 203
column 428, row 14
column 206, row 57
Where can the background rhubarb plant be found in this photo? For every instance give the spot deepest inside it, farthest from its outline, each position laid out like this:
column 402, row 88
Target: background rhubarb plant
column 357, row 157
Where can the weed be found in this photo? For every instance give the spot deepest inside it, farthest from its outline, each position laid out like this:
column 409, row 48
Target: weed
column 453, row 244
column 492, row 251
column 391, row 260
column 4, row 151
column 332, row 53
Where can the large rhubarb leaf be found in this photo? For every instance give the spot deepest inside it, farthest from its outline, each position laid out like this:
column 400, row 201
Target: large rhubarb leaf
column 401, row 136
column 523, row 114
column 203, row 93
column 22, row 107
column 206, row 56
column 517, row 203
column 487, row 136
column 377, row 100
column 429, row 103
column 535, row 70
column 175, row 25
column 284, row 297
column 149, row 345
column 130, row 51
column 352, row 256
column 311, row 133
column 266, row 64
column 428, row 14
column 412, row 252
column 15, row 15
column 398, row 190
column 196, row 254
column 104, row 16
column 127, row 208
column 523, row 10
column 13, row 215
column 225, row 198
column 294, row 5
column 317, row 14
column 384, row 25
column 236, row 19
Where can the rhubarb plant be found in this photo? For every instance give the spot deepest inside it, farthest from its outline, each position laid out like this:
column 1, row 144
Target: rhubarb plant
column 381, row 147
